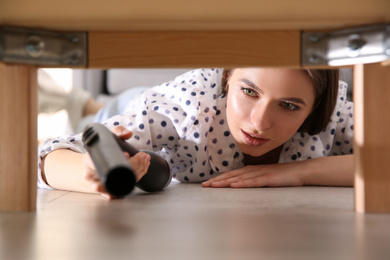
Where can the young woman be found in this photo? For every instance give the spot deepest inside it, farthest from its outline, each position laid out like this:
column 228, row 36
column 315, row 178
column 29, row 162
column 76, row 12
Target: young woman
column 246, row 127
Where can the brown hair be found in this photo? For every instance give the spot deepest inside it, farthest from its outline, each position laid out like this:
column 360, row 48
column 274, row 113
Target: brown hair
column 326, row 86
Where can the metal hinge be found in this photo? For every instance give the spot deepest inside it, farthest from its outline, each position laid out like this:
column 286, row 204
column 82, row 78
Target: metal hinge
column 41, row 47
column 366, row 44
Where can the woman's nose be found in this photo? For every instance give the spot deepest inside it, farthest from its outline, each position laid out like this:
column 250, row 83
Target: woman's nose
column 261, row 116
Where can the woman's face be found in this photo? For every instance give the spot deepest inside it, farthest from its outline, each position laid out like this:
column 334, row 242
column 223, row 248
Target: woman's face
column 266, row 107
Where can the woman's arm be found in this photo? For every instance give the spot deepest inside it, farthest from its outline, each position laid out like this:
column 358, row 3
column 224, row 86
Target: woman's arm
column 65, row 169
column 329, row 171
column 324, row 171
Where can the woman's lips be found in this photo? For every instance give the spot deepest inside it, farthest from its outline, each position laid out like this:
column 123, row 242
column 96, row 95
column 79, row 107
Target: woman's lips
column 253, row 139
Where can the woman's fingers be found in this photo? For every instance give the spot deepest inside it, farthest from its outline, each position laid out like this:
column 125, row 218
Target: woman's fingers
column 251, row 176
column 250, row 183
column 248, row 177
column 91, row 176
column 100, row 189
column 224, row 179
column 122, row 132
column 140, row 162
column 242, row 179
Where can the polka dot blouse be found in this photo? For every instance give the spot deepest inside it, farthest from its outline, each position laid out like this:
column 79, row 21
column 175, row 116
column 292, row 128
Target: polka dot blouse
column 184, row 121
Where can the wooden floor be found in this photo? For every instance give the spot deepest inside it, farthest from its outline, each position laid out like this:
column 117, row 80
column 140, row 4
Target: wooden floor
column 190, row 222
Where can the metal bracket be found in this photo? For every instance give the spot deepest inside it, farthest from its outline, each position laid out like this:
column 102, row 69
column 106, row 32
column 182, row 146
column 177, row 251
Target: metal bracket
column 346, row 47
column 41, row 47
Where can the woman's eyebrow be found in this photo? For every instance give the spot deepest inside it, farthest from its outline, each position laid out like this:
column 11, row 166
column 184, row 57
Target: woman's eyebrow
column 295, row 100
column 291, row 99
column 252, row 85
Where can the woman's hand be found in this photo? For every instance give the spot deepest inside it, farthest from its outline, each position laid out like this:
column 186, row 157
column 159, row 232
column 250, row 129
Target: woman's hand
column 324, row 171
column 250, row 176
column 139, row 162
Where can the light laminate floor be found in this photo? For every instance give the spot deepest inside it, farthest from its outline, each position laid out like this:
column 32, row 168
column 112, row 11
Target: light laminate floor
column 190, row 222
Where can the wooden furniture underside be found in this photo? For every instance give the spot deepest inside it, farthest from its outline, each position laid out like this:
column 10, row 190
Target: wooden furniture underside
column 202, row 33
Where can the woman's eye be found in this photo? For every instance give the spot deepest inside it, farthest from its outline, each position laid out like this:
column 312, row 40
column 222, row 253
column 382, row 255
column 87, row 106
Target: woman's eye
column 249, row 92
column 290, row 106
